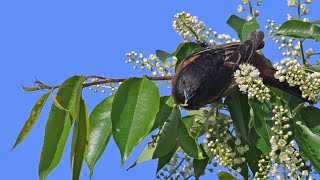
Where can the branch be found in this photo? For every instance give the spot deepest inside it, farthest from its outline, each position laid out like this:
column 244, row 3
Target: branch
column 102, row 80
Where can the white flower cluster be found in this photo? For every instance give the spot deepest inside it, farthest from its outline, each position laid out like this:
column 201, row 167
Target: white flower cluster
column 249, row 82
column 264, row 165
column 156, row 66
column 294, row 75
column 254, row 14
column 283, row 153
column 271, row 27
column 112, row 87
column 218, row 138
column 189, row 27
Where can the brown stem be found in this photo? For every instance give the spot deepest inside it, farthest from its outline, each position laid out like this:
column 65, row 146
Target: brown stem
column 104, row 80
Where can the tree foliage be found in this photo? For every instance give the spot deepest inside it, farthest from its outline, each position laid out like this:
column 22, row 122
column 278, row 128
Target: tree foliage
column 237, row 133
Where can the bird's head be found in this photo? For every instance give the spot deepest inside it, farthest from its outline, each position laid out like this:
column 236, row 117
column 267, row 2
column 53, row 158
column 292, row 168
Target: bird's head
column 186, row 88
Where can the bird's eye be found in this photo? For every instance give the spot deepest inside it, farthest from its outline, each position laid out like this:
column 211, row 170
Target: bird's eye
column 184, row 82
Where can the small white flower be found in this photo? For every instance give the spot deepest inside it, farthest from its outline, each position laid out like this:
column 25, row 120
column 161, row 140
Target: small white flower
column 240, row 8
column 291, row 3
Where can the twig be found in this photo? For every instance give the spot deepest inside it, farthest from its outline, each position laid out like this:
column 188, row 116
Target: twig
column 102, row 80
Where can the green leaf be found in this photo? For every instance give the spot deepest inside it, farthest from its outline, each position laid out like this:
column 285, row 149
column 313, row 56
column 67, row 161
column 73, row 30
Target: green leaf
column 162, row 55
column 262, row 119
column 59, row 124
column 100, row 132
column 240, row 113
column 168, row 135
column 56, row 102
column 299, row 29
column 165, row 109
column 186, row 49
column 188, row 121
column 257, row 147
column 315, row 68
column 166, row 158
column 242, row 27
column 133, row 113
column 308, row 143
column 289, row 99
column 311, row 116
column 79, row 140
column 31, row 121
column 146, row 155
column 30, row 89
column 316, row 22
column 199, row 165
column 188, row 143
column 222, row 175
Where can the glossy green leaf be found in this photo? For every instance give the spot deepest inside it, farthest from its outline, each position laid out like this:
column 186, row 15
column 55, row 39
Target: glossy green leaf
column 290, row 100
column 309, row 144
column 166, row 158
column 262, row 114
column 56, row 102
column 146, row 155
column 59, row 124
column 222, row 175
column 168, row 136
column 185, row 50
column 31, row 121
column 165, row 109
column 188, row 121
column 188, row 143
column 133, row 113
column 242, row 27
column 311, row 116
column 240, row 113
column 299, row 29
column 100, row 132
column 80, row 140
column 162, row 55
column 199, row 165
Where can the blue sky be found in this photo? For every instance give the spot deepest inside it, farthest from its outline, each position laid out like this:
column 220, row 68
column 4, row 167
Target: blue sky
column 53, row 40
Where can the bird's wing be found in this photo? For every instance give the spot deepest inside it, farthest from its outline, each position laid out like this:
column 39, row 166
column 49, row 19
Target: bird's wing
column 246, row 50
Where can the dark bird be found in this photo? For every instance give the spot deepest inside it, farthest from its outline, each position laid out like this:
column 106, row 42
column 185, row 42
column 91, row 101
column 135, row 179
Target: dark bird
column 206, row 76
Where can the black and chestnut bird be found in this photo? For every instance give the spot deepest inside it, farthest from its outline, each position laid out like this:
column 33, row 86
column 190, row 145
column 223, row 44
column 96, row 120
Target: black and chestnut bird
column 207, row 76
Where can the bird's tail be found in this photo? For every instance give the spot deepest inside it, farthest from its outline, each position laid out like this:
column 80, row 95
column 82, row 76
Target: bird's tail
column 267, row 73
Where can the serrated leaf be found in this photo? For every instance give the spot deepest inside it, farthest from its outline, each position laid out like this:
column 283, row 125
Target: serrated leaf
column 168, row 136
column 299, row 29
column 162, row 55
column 222, row 175
column 308, row 143
column 59, row 124
column 242, row 27
column 30, row 89
column 166, row 158
column 100, row 132
column 80, row 140
column 133, row 113
column 311, row 116
column 31, row 121
column 165, row 109
column 184, row 50
column 262, row 119
column 188, row 143
column 240, row 113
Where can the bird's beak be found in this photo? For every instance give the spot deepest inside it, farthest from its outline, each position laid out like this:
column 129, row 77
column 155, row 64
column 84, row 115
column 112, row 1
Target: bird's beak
column 187, row 96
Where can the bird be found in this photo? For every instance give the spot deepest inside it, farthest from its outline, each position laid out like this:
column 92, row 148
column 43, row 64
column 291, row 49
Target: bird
column 207, row 76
